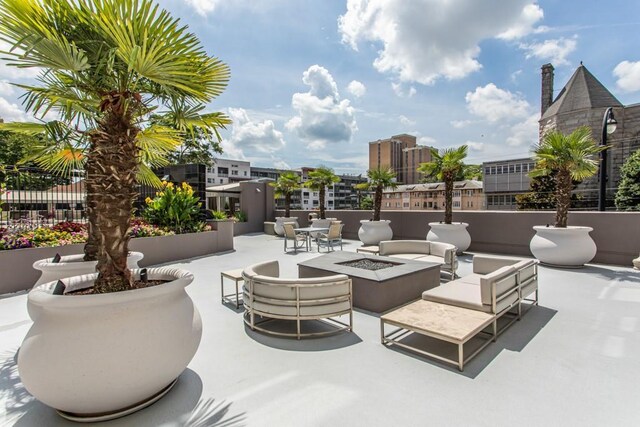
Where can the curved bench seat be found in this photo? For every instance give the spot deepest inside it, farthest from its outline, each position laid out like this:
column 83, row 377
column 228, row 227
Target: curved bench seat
column 269, row 296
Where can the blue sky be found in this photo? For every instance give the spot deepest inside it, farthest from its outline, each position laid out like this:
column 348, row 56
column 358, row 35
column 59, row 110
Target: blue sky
column 313, row 81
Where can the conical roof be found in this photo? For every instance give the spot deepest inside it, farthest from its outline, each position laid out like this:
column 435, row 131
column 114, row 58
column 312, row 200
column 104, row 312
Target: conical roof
column 582, row 91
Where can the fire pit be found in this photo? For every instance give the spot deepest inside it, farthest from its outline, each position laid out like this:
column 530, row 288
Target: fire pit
column 383, row 284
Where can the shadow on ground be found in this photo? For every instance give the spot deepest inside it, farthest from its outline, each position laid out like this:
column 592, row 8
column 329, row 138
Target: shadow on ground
column 514, row 338
column 320, row 343
column 182, row 406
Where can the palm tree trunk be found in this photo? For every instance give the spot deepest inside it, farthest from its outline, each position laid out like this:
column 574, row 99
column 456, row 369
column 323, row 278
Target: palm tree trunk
column 322, row 214
column 448, row 200
column 287, row 205
column 116, row 158
column 377, row 204
column 563, row 197
column 93, row 239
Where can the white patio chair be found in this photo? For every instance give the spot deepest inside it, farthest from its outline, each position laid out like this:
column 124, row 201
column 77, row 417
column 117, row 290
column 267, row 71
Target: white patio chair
column 298, row 239
column 334, row 235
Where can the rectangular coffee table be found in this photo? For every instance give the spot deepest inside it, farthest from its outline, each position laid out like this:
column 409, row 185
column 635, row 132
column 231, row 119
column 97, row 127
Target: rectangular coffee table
column 443, row 322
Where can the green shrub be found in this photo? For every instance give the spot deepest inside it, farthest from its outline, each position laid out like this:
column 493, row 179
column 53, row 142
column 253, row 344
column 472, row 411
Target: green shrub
column 174, row 208
column 219, row 215
column 240, row 216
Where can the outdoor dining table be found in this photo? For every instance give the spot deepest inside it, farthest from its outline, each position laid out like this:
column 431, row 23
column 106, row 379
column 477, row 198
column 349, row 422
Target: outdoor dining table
column 309, row 230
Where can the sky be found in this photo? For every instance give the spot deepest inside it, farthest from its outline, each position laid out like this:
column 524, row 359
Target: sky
column 314, row 81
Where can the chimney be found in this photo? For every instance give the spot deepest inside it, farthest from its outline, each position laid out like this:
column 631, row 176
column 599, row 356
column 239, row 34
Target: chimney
column 547, row 88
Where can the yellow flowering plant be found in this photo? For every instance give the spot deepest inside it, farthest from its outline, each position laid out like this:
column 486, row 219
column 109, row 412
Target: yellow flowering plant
column 175, row 208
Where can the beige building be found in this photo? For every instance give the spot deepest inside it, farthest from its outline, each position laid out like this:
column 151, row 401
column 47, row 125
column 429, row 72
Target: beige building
column 467, row 195
column 402, row 154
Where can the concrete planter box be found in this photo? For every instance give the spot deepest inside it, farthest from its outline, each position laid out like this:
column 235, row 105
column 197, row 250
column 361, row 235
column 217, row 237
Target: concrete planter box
column 17, row 265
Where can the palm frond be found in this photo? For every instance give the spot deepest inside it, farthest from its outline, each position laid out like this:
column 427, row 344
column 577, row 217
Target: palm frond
column 146, row 176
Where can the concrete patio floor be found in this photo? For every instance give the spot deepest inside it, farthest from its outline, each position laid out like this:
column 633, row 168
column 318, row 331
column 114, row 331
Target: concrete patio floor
column 573, row 361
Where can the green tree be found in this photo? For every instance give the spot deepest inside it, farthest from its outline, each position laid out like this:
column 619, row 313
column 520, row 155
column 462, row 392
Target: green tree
column 628, row 194
column 467, row 172
column 198, row 145
column 366, row 204
column 108, row 65
column 542, row 194
column 288, row 182
column 319, row 179
column 445, row 166
column 379, row 179
column 567, row 158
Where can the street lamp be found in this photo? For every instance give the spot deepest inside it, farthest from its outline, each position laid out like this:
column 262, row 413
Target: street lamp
column 609, row 125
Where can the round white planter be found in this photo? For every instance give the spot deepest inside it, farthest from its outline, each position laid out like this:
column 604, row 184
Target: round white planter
column 97, row 357
column 281, row 220
column 636, row 263
column 563, row 247
column 455, row 234
column 374, row 232
column 73, row 265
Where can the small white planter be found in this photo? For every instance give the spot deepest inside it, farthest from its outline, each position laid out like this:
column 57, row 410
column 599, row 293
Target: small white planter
column 74, row 265
column 280, row 220
column 636, row 263
column 563, row 247
column 98, row 357
column 455, row 233
column 374, row 232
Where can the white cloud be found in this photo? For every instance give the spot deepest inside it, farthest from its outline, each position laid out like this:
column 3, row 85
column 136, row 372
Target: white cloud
column 399, row 90
column 426, row 140
column 10, row 112
column 249, row 137
column 321, row 116
column 356, row 88
column 494, row 104
column 281, row 164
column 628, row 75
column 406, row 120
column 203, row 7
column 525, row 132
column 554, row 50
column 6, row 88
column 531, row 14
column 459, row 124
column 515, row 75
column 475, row 146
column 423, row 40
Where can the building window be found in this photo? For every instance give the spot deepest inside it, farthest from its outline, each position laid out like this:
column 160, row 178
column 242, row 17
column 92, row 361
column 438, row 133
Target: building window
column 234, row 172
column 493, row 170
column 511, row 168
column 222, row 181
column 387, row 205
column 456, row 204
column 245, row 173
column 518, row 168
column 210, row 181
column 487, row 171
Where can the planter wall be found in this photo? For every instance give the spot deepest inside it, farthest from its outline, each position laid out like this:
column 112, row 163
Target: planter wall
column 19, row 275
column 617, row 234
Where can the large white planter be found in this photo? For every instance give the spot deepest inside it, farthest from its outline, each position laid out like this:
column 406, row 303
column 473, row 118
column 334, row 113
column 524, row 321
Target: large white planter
column 96, row 357
column 74, row 265
column 455, row 234
column 374, row 232
column 280, row 220
column 563, row 247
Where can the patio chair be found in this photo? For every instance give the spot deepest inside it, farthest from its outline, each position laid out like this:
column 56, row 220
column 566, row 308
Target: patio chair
column 298, row 239
column 334, row 235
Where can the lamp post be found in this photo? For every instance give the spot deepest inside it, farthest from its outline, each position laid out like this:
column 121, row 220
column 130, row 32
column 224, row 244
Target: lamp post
column 609, row 125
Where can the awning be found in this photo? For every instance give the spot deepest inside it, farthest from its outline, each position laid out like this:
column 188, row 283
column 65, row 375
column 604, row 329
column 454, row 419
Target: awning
column 223, row 190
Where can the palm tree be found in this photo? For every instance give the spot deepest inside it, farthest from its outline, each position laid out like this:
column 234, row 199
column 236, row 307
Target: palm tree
column 287, row 183
column 568, row 157
column 107, row 65
column 379, row 179
column 319, row 179
column 445, row 165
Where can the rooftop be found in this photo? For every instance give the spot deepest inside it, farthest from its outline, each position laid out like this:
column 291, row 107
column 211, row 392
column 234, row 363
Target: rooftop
column 570, row 361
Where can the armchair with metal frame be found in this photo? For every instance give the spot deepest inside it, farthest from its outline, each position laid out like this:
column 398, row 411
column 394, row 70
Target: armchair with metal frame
column 298, row 239
column 334, row 235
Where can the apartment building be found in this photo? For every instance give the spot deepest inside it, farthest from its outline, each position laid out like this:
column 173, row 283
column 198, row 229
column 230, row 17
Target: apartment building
column 402, row 154
column 225, row 171
column 467, row 195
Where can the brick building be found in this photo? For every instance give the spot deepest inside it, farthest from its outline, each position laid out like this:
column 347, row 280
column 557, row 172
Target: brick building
column 583, row 102
column 402, row 154
column 467, row 195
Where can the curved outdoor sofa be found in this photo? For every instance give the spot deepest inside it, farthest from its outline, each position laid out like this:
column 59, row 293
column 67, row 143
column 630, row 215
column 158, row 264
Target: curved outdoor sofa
column 422, row 250
column 269, row 296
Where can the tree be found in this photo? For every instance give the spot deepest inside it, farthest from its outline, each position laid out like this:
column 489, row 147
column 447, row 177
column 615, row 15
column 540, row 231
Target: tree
column 541, row 195
column 108, row 64
column 467, row 172
column 379, row 179
column 567, row 158
column 319, row 179
column 366, row 204
column 445, row 166
column 288, row 182
column 628, row 194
